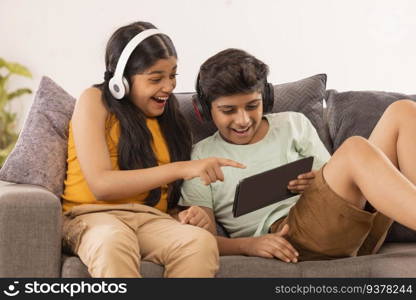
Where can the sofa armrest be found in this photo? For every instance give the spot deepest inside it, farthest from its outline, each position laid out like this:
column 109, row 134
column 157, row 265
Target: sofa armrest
column 30, row 231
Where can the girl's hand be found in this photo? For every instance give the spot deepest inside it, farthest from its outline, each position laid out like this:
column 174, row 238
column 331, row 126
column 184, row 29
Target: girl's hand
column 208, row 169
column 196, row 216
column 300, row 184
column 272, row 245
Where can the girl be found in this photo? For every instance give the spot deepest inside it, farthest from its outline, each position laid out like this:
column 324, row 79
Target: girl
column 128, row 153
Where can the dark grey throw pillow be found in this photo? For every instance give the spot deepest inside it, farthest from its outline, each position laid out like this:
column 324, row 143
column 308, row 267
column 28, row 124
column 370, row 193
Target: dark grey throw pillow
column 357, row 113
column 39, row 156
column 400, row 233
column 305, row 96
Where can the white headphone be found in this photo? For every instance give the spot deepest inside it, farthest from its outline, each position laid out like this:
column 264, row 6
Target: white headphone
column 118, row 84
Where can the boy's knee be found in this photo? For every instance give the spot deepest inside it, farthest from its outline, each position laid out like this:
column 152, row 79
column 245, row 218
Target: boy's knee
column 402, row 108
column 354, row 144
column 355, row 149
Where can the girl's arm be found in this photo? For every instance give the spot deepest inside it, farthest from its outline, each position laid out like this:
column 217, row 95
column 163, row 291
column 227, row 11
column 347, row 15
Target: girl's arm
column 88, row 123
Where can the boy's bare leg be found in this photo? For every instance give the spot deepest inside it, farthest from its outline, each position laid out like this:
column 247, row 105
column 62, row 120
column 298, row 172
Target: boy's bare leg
column 359, row 170
column 395, row 135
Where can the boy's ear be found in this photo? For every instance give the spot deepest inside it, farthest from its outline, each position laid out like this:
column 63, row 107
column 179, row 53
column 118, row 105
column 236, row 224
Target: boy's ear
column 201, row 109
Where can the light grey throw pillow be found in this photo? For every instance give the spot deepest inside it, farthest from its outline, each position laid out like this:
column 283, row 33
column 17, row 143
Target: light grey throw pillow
column 39, row 156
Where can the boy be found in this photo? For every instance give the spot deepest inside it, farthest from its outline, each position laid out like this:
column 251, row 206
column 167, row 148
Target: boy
column 329, row 219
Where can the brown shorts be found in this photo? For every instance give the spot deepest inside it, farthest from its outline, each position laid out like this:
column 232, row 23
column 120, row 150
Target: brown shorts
column 322, row 225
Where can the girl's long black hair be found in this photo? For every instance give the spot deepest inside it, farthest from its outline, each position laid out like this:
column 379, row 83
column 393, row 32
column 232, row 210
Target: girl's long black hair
column 134, row 146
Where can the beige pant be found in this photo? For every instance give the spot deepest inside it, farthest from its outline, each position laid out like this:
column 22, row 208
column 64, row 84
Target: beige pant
column 112, row 239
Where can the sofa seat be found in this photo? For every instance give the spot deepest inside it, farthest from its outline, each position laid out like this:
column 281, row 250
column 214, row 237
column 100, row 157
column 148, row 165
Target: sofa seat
column 393, row 260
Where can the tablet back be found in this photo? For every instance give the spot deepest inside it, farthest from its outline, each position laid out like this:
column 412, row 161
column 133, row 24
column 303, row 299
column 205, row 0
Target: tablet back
column 268, row 187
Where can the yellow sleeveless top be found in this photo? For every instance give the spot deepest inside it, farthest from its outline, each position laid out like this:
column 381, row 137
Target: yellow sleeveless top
column 76, row 190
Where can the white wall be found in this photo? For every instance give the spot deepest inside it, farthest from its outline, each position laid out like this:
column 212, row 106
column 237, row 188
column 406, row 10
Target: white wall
column 361, row 45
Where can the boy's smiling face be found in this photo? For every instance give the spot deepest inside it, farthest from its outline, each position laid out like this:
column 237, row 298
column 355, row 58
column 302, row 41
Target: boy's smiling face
column 239, row 118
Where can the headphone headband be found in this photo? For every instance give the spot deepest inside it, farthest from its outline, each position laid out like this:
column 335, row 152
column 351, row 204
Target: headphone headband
column 116, row 84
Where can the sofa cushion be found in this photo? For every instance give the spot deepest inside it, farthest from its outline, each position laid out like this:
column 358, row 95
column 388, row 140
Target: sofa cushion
column 72, row 267
column 305, row 96
column 394, row 260
column 39, row 156
column 356, row 113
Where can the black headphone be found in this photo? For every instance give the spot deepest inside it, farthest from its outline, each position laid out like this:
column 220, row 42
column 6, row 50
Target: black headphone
column 202, row 107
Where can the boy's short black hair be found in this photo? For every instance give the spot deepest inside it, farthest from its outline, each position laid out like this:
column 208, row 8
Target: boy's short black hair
column 229, row 72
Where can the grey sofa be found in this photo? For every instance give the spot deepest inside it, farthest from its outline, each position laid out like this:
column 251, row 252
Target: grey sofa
column 32, row 178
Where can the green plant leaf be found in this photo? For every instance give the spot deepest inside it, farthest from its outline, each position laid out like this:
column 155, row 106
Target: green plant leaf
column 6, row 151
column 2, row 63
column 3, row 98
column 3, row 81
column 18, row 93
column 3, row 91
column 8, row 135
column 16, row 68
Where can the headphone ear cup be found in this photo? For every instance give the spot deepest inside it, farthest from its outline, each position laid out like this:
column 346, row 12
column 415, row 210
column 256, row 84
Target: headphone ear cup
column 268, row 97
column 201, row 109
column 117, row 88
column 126, row 86
column 197, row 108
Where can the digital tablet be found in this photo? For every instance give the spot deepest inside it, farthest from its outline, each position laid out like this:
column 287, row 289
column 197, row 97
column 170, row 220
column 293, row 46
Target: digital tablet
column 257, row 191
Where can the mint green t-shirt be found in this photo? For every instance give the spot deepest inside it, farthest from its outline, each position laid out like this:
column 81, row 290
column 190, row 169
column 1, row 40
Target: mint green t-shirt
column 290, row 137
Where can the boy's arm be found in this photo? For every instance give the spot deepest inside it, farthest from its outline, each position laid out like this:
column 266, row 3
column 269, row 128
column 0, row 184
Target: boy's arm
column 212, row 225
column 233, row 246
column 226, row 246
column 308, row 143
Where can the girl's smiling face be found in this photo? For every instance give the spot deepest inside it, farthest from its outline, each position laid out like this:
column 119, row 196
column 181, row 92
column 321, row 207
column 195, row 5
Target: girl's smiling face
column 152, row 88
